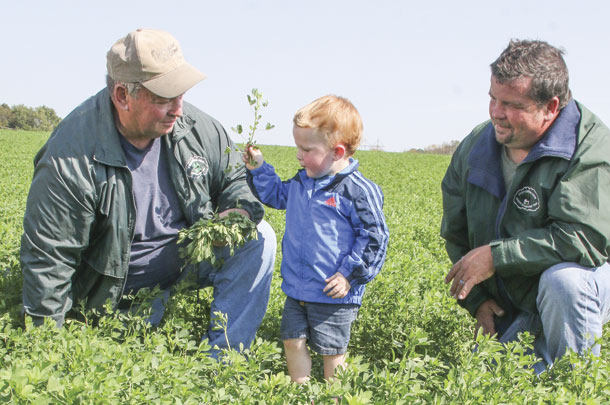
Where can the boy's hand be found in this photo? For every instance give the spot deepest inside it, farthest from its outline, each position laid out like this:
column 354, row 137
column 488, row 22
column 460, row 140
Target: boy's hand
column 252, row 157
column 337, row 286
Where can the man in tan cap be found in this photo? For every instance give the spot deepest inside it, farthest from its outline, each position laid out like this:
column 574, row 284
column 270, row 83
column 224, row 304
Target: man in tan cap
column 117, row 180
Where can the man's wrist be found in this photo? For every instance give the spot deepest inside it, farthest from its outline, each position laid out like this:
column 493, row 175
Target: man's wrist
column 498, row 254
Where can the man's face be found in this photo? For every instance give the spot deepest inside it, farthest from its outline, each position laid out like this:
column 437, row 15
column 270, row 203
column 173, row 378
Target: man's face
column 150, row 116
column 518, row 121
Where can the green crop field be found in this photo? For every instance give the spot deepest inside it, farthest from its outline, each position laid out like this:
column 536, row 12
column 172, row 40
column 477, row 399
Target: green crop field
column 410, row 344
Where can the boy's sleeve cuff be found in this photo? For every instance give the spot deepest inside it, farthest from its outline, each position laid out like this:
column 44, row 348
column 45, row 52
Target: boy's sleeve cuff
column 259, row 169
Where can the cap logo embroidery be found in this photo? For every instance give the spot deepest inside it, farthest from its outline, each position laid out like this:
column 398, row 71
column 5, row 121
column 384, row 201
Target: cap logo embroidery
column 331, row 202
column 197, row 166
column 164, row 54
column 527, row 199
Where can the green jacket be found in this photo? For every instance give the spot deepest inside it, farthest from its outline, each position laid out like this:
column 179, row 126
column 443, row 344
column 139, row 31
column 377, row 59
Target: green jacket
column 556, row 210
column 80, row 213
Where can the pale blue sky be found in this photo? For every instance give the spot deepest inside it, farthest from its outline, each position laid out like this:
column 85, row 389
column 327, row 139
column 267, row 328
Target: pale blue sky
column 418, row 71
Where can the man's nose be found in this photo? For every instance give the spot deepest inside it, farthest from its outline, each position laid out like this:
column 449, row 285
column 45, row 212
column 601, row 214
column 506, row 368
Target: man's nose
column 176, row 107
column 496, row 110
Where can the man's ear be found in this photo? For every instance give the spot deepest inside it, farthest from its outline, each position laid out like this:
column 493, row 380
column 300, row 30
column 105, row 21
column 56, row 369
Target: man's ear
column 119, row 97
column 552, row 108
column 340, row 151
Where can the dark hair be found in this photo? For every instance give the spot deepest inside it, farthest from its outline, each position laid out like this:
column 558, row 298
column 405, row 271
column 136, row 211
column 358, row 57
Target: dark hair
column 540, row 61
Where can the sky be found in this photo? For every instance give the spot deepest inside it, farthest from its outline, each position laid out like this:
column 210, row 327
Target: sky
column 417, row 71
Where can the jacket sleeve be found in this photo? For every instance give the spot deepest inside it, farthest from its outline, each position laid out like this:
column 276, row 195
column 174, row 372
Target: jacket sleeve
column 268, row 187
column 234, row 191
column 454, row 228
column 578, row 228
column 372, row 236
column 56, row 226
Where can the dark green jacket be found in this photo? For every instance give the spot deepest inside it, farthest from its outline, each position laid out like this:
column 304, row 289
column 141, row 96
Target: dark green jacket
column 556, row 210
column 80, row 213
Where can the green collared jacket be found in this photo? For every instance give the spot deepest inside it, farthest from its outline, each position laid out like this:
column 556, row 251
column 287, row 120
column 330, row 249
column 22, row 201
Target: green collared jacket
column 556, row 210
column 80, row 213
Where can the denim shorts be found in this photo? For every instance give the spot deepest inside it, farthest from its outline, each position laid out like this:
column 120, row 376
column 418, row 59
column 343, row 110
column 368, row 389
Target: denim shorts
column 325, row 326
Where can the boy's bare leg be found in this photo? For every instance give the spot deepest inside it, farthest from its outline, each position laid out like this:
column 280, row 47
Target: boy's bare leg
column 331, row 362
column 298, row 360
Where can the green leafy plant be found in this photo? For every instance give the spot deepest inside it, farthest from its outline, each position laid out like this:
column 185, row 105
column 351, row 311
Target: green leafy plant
column 410, row 344
column 231, row 230
column 256, row 102
column 222, row 323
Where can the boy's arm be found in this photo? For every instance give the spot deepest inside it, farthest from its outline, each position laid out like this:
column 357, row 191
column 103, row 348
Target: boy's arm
column 268, row 187
column 372, row 235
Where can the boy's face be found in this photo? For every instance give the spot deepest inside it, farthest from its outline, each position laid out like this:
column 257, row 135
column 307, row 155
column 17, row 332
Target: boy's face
column 313, row 153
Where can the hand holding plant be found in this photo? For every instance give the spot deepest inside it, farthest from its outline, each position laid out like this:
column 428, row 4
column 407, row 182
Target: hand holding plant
column 232, row 230
column 256, row 103
column 252, row 157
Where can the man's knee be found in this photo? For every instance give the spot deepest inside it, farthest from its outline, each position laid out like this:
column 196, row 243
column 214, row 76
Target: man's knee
column 562, row 283
column 257, row 258
column 267, row 237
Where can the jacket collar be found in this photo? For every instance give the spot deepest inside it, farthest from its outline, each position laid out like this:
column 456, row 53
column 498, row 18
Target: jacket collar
column 484, row 160
column 183, row 125
column 561, row 138
column 328, row 181
column 108, row 148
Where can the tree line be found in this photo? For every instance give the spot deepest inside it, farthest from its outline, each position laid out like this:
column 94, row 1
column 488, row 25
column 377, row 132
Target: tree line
column 44, row 118
column 446, row 148
column 41, row 118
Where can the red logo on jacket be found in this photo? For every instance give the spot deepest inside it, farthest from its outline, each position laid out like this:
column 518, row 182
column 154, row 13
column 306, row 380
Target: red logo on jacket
column 331, row 202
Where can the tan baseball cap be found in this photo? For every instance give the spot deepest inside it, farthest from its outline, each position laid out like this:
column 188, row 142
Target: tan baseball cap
column 154, row 59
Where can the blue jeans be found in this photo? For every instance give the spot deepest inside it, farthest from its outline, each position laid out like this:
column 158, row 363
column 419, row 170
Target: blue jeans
column 241, row 290
column 326, row 327
column 573, row 305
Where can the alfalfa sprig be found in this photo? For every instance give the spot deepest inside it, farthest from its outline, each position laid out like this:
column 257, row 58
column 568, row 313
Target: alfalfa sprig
column 256, row 102
column 199, row 240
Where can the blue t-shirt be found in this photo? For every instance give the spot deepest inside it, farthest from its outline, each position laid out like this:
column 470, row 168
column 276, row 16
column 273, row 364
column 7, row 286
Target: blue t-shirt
column 154, row 256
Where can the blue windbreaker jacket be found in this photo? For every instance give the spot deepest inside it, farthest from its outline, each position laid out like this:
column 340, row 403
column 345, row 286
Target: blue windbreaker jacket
column 333, row 224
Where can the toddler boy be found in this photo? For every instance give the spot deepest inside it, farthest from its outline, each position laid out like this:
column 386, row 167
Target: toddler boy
column 335, row 238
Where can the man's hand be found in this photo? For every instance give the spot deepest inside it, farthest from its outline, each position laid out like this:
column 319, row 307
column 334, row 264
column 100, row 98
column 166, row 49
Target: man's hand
column 237, row 210
column 252, row 157
column 470, row 270
column 226, row 212
column 485, row 317
column 337, row 286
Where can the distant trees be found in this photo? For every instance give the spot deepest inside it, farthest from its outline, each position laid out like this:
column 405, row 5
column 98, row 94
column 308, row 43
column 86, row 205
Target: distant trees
column 446, row 148
column 41, row 118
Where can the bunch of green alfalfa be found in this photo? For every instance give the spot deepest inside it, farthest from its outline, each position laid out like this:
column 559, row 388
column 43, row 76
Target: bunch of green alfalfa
column 232, row 230
column 199, row 240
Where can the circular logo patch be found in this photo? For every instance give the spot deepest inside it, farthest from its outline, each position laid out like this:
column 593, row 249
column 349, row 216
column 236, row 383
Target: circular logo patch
column 197, row 166
column 527, row 199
